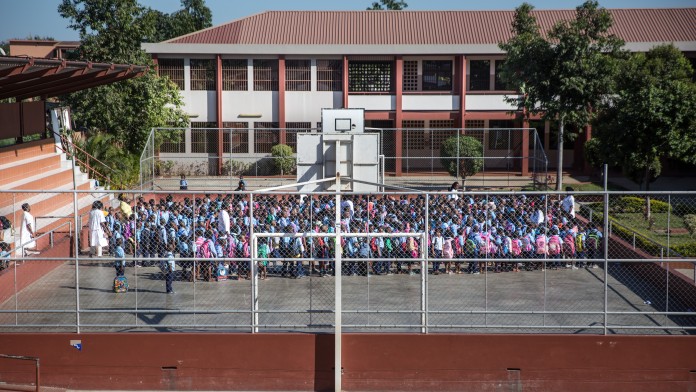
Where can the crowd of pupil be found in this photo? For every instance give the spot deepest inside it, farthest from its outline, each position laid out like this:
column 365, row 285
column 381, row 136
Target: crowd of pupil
column 501, row 228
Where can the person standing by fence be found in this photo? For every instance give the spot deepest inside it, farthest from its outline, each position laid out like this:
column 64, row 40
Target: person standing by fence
column 97, row 229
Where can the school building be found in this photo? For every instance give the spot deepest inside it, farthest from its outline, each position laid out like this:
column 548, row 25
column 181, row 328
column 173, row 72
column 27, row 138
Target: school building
column 413, row 71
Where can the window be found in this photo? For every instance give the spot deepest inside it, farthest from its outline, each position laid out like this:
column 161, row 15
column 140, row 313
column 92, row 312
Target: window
column 479, row 75
column 370, row 76
column 329, row 75
column 173, row 69
column 500, row 139
column 437, row 75
column 235, row 140
column 440, row 130
column 266, row 135
column 298, row 75
column 202, row 74
column 265, row 75
column 234, row 75
column 411, row 75
column 203, row 140
column 414, row 134
column 292, row 129
column 499, row 84
column 174, row 141
column 474, row 128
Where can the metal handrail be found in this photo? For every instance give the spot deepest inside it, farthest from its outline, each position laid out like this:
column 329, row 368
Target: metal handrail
column 70, row 150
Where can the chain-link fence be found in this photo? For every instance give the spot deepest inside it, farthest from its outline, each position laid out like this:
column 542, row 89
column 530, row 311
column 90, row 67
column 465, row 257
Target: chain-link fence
column 416, row 157
column 568, row 262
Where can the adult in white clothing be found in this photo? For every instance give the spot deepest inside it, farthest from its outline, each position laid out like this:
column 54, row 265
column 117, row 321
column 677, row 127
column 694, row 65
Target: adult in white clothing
column 97, row 229
column 27, row 231
column 223, row 224
column 568, row 203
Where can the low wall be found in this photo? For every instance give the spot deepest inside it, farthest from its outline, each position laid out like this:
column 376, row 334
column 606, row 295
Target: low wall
column 372, row 362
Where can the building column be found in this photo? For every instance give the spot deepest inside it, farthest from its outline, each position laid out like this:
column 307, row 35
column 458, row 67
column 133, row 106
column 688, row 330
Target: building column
column 525, row 147
column 399, row 116
column 281, row 99
column 460, row 69
column 218, row 102
column 345, row 82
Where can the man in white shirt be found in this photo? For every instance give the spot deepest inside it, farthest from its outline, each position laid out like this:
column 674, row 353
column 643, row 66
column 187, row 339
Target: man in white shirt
column 97, row 229
column 27, row 232
column 568, row 203
column 223, row 223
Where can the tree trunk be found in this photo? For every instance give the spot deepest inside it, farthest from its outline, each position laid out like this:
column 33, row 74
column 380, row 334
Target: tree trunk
column 559, row 170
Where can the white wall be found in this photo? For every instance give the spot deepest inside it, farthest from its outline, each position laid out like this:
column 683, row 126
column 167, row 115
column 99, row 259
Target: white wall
column 372, row 102
column 487, row 102
column 306, row 105
column 200, row 104
column 264, row 103
column 430, row 102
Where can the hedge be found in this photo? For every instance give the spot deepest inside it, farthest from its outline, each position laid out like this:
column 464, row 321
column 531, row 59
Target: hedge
column 690, row 222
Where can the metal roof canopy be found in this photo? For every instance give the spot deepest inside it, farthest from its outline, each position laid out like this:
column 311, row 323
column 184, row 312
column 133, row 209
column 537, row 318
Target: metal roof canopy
column 28, row 77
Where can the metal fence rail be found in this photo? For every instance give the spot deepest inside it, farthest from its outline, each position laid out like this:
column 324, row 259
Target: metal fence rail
column 405, row 262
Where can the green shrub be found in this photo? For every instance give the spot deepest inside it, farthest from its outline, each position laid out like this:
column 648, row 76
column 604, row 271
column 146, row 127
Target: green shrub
column 283, row 159
column 690, row 222
column 235, row 168
column 686, row 250
column 632, row 204
column 470, row 154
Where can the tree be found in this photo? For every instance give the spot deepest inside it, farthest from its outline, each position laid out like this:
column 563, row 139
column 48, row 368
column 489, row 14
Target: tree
column 566, row 75
column 283, row 159
column 651, row 117
column 463, row 153
column 111, row 31
column 394, row 5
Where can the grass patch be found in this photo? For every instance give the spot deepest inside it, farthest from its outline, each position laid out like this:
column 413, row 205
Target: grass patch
column 637, row 222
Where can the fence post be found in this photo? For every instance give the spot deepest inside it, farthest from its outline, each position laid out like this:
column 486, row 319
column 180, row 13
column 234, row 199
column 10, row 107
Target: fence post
column 606, row 247
column 254, row 281
column 424, row 269
column 338, row 291
column 78, row 229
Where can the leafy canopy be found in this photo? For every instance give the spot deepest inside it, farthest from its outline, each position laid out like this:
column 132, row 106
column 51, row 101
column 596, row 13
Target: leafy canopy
column 465, row 151
column 395, row 5
column 651, row 117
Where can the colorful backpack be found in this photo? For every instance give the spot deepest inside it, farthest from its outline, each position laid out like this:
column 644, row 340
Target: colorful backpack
column 541, row 244
column 516, row 247
column 569, row 246
column 554, row 245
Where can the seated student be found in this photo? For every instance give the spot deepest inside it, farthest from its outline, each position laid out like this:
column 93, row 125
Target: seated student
column 4, row 255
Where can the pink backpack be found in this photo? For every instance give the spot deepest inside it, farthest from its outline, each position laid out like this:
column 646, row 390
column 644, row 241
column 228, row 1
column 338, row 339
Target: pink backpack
column 541, row 244
column 569, row 246
column 555, row 245
column 203, row 248
column 485, row 243
column 447, row 250
column 516, row 249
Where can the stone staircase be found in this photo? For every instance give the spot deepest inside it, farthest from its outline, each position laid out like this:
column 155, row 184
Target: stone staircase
column 41, row 167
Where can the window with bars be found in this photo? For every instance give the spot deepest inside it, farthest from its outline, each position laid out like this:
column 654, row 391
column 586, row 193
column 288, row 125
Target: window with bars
column 479, row 75
column 329, row 75
column 440, row 130
column 265, row 75
column 202, row 74
column 474, row 129
column 234, row 75
column 235, row 141
column 292, row 129
column 370, row 76
column 266, row 135
column 174, row 142
column 437, row 75
column 411, row 75
column 173, row 69
column 203, row 140
column 501, row 137
column 298, row 75
column 414, row 135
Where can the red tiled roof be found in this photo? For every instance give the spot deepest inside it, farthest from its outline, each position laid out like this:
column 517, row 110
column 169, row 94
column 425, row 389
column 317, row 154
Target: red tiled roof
column 427, row 27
